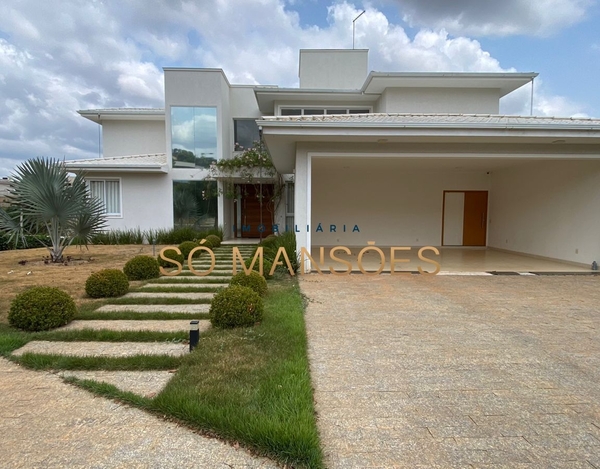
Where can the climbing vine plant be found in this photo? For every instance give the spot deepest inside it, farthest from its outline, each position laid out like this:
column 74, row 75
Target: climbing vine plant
column 250, row 166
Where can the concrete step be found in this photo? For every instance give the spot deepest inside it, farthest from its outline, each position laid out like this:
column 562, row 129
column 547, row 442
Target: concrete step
column 186, row 296
column 172, row 325
column 166, row 286
column 173, row 309
column 102, row 349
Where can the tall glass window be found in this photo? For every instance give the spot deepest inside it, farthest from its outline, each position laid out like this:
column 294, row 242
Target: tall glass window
column 193, row 136
column 245, row 133
column 195, row 204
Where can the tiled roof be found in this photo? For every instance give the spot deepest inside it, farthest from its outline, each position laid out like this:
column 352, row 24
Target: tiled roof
column 123, row 109
column 155, row 160
column 442, row 120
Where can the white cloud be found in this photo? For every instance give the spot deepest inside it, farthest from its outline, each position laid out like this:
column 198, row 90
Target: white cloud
column 80, row 55
column 494, row 17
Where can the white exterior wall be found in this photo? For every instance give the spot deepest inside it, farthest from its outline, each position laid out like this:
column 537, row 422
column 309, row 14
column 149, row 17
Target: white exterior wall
column 392, row 208
column 146, row 200
column 547, row 209
column 333, row 69
column 132, row 137
column 243, row 103
column 439, row 100
column 201, row 88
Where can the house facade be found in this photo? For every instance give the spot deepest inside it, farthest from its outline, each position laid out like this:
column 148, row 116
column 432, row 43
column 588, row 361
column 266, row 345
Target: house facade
column 402, row 159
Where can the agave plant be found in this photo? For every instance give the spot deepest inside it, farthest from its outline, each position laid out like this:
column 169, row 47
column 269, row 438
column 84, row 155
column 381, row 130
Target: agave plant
column 41, row 196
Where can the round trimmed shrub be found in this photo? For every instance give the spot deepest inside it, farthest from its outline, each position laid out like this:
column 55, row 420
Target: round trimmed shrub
column 41, row 308
column 270, row 240
column 172, row 254
column 267, row 264
column 236, row 306
column 186, row 247
column 254, row 281
column 207, row 243
column 142, row 268
column 214, row 240
column 107, row 283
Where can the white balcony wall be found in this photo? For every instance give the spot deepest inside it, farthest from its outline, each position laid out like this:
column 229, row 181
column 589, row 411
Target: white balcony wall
column 132, row 137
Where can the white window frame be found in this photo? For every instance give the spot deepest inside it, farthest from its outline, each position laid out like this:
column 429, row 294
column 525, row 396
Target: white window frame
column 321, row 106
column 104, row 180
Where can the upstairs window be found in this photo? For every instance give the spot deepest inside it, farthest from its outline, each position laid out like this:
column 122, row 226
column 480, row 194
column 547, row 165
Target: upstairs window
column 245, row 133
column 193, row 136
column 319, row 111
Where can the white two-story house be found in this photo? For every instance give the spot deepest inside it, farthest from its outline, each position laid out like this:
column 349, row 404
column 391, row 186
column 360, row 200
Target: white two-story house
column 403, row 159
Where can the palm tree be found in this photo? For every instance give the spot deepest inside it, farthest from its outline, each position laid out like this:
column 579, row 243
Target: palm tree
column 41, row 196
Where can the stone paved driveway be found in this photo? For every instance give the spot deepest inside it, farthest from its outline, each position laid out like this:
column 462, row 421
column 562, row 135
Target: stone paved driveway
column 469, row 372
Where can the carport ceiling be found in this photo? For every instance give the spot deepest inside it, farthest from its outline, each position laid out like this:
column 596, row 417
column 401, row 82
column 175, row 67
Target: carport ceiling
column 422, row 164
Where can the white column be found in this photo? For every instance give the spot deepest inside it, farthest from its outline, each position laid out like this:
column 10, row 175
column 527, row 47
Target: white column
column 221, row 211
column 302, row 201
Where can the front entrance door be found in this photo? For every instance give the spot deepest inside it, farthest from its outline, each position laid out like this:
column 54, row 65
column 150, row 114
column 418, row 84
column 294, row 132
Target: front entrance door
column 465, row 218
column 252, row 219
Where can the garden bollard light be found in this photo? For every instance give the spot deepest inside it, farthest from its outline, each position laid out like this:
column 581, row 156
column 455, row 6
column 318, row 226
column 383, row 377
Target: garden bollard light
column 194, row 334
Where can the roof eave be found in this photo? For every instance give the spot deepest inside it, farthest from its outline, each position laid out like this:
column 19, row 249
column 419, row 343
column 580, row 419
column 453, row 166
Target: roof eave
column 93, row 167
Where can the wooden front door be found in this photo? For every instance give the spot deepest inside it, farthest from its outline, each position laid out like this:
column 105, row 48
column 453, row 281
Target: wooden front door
column 252, row 221
column 475, row 218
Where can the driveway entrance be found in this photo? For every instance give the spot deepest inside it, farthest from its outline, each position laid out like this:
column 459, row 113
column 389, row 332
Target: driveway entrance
column 454, row 371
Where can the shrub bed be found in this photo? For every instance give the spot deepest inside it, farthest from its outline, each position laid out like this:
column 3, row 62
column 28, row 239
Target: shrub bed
column 171, row 254
column 41, row 309
column 267, row 264
column 254, row 281
column 142, row 268
column 215, row 241
column 186, row 247
column 236, row 306
column 107, row 283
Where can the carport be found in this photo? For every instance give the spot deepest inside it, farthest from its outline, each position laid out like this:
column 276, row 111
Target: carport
column 526, row 187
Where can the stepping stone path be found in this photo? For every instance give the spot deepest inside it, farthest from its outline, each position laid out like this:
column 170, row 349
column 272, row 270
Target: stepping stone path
column 146, row 383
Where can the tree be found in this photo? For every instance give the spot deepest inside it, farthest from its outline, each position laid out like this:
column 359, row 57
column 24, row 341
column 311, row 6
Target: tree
column 42, row 197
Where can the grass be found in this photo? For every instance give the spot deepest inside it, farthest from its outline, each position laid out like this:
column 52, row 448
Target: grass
column 252, row 385
column 248, row 385
column 61, row 362
column 139, row 316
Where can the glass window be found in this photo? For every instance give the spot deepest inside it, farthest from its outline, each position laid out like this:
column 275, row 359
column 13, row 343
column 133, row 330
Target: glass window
column 291, row 112
column 245, row 133
column 358, row 111
column 195, row 204
column 193, row 136
column 109, row 193
column 314, row 112
column 337, row 111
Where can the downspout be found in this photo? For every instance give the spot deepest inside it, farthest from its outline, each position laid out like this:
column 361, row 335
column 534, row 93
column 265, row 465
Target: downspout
column 531, row 101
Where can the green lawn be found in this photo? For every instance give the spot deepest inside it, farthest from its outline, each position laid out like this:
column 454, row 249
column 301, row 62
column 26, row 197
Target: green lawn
column 252, row 385
column 249, row 385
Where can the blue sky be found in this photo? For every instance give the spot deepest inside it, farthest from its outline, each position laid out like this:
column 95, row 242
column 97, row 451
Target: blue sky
column 56, row 58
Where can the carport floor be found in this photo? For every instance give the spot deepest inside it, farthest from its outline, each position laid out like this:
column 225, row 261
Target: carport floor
column 456, row 371
column 451, row 259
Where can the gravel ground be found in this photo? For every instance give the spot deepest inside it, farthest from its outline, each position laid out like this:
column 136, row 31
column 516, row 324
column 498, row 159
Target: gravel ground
column 49, row 424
